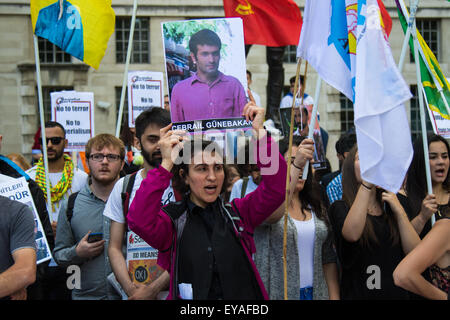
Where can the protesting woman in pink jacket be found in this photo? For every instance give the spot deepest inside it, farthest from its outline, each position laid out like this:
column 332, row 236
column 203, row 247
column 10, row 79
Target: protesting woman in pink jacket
column 205, row 244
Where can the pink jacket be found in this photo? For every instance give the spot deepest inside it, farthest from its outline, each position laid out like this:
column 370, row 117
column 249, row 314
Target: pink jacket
column 151, row 223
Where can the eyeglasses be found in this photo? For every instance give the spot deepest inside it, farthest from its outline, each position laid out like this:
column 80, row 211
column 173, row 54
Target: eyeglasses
column 98, row 157
column 55, row 140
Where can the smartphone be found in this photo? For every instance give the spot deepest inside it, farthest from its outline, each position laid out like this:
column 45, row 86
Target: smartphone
column 94, row 237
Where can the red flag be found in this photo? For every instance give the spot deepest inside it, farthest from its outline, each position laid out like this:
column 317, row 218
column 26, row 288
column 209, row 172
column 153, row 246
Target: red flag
column 269, row 23
column 386, row 18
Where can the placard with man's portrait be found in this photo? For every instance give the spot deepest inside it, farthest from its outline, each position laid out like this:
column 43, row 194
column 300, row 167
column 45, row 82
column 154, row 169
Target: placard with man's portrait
column 206, row 74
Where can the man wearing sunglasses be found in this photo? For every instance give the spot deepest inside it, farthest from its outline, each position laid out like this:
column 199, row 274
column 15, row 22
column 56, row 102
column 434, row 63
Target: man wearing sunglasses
column 65, row 179
column 82, row 228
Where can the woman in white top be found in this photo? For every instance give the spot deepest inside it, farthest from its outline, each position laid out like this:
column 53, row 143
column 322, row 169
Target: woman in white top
column 311, row 260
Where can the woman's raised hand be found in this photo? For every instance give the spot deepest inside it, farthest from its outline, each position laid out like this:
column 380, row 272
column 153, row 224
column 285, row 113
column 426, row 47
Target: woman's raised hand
column 255, row 114
column 305, row 152
column 170, row 144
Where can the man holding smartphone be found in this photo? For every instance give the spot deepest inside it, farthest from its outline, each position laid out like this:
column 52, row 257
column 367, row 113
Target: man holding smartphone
column 65, row 179
column 83, row 231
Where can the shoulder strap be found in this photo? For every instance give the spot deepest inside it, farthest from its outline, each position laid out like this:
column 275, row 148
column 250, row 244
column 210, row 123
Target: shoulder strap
column 70, row 205
column 244, row 186
column 178, row 196
column 241, row 231
column 234, row 215
column 15, row 167
column 130, row 184
column 127, row 189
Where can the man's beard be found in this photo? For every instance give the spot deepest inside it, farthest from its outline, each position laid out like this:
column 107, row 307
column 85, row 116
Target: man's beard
column 151, row 160
column 57, row 156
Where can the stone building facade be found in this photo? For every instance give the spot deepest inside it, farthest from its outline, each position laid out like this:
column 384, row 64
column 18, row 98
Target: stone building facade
column 19, row 117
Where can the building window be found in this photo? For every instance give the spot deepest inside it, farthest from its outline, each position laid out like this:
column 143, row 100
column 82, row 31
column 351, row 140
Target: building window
column 430, row 31
column 46, row 101
column 49, row 53
column 290, row 54
column 125, row 104
column 416, row 128
column 141, row 40
column 347, row 116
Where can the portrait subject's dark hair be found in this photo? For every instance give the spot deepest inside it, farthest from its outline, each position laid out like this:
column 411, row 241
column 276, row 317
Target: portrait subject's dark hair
column 202, row 37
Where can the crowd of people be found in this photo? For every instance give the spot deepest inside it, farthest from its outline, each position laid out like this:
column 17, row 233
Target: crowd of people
column 218, row 226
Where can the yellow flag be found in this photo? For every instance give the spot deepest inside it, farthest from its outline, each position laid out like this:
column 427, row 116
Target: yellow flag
column 81, row 28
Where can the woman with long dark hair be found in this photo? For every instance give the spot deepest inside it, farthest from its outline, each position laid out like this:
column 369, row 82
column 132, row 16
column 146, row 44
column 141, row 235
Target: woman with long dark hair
column 372, row 234
column 205, row 244
column 311, row 260
column 426, row 270
column 418, row 204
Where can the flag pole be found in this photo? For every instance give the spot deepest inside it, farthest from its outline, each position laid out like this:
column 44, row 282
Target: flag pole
column 125, row 74
column 410, row 18
column 401, row 62
column 286, row 201
column 421, row 105
column 42, row 121
column 312, row 121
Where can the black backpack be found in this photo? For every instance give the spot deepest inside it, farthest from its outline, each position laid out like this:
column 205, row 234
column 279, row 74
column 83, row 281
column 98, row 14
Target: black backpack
column 70, row 205
column 128, row 184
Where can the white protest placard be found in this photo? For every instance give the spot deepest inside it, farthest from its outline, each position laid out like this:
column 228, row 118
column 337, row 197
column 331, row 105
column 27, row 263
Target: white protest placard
column 441, row 126
column 145, row 90
column 141, row 260
column 17, row 189
column 75, row 112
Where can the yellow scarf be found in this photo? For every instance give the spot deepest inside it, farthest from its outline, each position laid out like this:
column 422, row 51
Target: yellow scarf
column 58, row 191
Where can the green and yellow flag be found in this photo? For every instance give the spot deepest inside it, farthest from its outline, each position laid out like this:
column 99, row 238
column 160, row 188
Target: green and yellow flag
column 81, row 28
column 431, row 74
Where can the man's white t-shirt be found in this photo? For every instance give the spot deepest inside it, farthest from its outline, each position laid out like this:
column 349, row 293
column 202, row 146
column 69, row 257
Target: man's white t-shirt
column 78, row 181
column 114, row 209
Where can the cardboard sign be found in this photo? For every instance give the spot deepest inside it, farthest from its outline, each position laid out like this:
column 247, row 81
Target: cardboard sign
column 75, row 112
column 141, row 260
column 206, row 74
column 441, row 126
column 145, row 90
